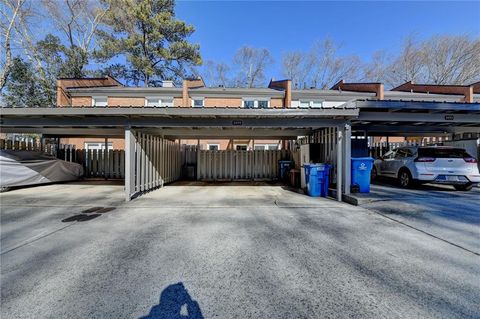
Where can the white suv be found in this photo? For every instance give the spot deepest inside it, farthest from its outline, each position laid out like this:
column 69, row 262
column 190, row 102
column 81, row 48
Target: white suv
column 440, row 165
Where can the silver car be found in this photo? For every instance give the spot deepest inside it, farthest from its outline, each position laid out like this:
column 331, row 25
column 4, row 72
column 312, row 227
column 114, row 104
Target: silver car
column 439, row 165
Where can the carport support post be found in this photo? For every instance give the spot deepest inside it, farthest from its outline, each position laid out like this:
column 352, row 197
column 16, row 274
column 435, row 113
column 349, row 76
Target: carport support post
column 347, row 158
column 339, row 162
column 130, row 142
column 105, row 159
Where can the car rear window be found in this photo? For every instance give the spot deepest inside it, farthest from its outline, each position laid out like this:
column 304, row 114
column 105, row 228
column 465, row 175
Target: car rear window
column 442, row 152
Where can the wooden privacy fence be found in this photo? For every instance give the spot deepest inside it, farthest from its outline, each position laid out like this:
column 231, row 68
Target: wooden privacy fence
column 96, row 163
column 28, row 145
column 240, row 165
column 153, row 161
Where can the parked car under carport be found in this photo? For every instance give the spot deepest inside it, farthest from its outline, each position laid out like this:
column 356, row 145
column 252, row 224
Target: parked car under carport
column 437, row 165
column 25, row 168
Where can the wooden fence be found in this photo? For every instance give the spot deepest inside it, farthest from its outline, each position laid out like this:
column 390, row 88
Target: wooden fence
column 151, row 161
column 240, row 165
column 29, row 145
column 96, row 163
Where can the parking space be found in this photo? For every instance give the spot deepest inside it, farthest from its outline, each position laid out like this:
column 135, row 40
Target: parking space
column 438, row 210
column 230, row 251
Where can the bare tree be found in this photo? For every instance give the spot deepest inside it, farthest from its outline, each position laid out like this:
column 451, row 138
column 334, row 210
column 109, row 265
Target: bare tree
column 295, row 66
column 215, row 74
column 79, row 21
column 451, row 59
column 377, row 69
column 10, row 11
column 321, row 66
column 252, row 63
column 438, row 60
column 328, row 67
column 408, row 65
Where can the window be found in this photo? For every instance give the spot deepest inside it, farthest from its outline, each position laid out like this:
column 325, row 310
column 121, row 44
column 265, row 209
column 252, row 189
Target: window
column 389, row 154
column 253, row 104
column 265, row 147
column 152, row 102
column 304, row 104
column 249, row 104
column 97, row 146
column 99, row 101
column 213, row 147
column 442, row 152
column 241, row 147
column 159, row 101
column 197, row 102
column 401, row 153
column 310, row 103
column 167, row 102
column 263, row 104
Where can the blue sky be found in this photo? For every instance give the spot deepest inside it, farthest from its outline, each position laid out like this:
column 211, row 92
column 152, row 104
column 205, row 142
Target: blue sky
column 361, row 27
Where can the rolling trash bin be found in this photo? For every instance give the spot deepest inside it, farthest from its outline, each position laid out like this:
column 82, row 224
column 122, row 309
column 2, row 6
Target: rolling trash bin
column 317, row 179
column 361, row 168
column 295, row 178
column 284, row 167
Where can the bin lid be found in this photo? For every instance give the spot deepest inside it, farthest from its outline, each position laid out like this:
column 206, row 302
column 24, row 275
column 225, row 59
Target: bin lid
column 364, row 159
column 320, row 165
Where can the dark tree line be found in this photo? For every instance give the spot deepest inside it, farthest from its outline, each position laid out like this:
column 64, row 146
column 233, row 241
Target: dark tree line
column 139, row 41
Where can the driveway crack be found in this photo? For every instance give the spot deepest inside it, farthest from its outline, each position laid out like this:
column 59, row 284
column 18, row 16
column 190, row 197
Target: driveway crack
column 422, row 231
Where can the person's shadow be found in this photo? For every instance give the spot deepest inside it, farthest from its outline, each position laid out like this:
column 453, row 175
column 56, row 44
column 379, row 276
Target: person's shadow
column 175, row 303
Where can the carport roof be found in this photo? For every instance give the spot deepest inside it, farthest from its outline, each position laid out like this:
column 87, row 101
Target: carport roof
column 400, row 117
column 175, row 122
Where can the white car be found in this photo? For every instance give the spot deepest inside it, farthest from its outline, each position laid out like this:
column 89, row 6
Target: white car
column 439, row 165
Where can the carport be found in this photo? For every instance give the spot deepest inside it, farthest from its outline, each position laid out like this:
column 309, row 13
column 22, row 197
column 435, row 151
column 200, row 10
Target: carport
column 384, row 118
column 414, row 118
column 151, row 148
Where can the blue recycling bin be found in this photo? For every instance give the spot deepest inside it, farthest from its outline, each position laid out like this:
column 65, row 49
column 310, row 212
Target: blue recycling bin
column 317, row 179
column 361, row 169
column 284, row 167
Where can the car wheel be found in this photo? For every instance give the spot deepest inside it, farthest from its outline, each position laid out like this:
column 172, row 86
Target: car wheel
column 4, row 189
column 374, row 174
column 405, row 178
column 465, row 187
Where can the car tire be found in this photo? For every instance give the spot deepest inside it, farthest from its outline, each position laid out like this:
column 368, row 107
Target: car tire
column 465, row 187
column 373, row 173
column 405, row 179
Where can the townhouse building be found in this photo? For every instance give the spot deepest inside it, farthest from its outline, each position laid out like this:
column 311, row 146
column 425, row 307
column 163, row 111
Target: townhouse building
column 152, row 123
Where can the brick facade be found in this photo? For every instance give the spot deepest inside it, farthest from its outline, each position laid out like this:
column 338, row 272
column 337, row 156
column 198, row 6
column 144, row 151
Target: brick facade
column 81, row 101
column 79, row 142
column 126, row 101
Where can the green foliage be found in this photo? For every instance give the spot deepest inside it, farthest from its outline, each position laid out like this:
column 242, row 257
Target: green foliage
column 152, row 40
column 26, row 87
column 23, row 87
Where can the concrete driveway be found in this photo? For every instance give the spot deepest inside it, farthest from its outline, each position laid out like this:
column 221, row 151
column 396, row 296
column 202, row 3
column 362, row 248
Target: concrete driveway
column 437, row 210
column 221, row 251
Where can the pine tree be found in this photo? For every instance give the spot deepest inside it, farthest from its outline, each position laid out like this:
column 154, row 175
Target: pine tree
column 151, row 38
column 22, row 88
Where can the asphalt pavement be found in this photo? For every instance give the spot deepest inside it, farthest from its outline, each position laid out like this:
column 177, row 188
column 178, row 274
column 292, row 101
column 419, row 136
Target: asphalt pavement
column 231, row 251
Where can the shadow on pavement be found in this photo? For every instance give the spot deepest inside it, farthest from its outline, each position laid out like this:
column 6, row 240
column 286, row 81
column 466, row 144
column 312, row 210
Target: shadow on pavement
column 426, row 187
column 80, row 218
column 175, row 303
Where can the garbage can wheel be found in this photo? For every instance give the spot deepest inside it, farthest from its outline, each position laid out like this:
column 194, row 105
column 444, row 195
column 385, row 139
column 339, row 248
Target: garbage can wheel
column 373, row 174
